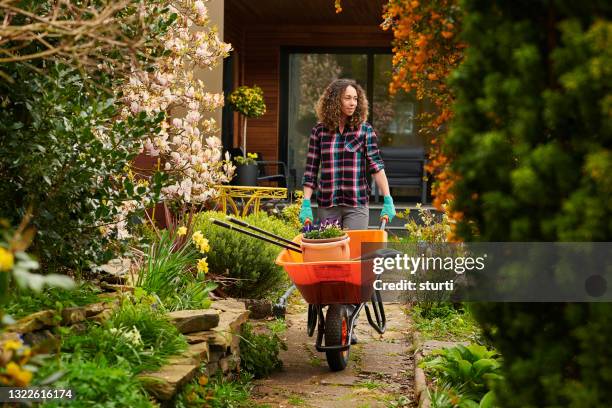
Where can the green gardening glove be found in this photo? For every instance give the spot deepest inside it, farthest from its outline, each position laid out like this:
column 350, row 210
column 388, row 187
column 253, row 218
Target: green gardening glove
column 388, row 208
column 306, row 211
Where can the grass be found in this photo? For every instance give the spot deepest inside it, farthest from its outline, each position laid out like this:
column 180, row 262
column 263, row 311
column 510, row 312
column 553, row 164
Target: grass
column 356, row 355
column 296, row 400
column 370, row 385
column 115, row 341
column 216, row 393
column 94, row 383
column 22, row 303
column 445, row 323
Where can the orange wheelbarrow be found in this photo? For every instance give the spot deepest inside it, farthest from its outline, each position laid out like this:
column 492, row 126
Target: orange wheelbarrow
column 336, row 291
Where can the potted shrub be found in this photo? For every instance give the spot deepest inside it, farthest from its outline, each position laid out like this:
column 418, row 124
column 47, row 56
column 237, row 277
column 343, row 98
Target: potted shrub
column 249, row 102
column 325, row 242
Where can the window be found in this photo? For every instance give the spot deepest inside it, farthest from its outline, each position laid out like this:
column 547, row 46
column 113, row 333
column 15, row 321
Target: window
column 305, row 76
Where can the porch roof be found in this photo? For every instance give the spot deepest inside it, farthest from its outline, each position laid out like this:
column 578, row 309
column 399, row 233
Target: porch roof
column 305, row 12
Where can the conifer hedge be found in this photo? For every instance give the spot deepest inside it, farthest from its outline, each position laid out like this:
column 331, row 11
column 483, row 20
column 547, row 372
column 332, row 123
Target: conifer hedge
column 531, row 142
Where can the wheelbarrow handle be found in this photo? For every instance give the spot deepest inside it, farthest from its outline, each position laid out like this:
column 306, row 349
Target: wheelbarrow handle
column 383, row 221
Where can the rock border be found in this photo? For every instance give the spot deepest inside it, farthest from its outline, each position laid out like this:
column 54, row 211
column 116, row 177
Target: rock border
column 420, row 381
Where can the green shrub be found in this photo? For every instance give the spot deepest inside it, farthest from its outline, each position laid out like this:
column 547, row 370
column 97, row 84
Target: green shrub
column 427, row 233
column 55, row 162
column 170, row 273
column 137, row 334
column 248, row 259
column 530, row 143
column 464, row 373
column 94, row 383
column 429, row 228
column 259, row 351
column 291, row 215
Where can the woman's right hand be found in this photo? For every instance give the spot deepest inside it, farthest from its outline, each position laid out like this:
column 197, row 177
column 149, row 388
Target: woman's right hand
column 306, row 211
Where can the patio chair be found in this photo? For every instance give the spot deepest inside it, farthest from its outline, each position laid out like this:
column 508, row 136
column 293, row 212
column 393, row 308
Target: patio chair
column 405, row 168
column 274, row 171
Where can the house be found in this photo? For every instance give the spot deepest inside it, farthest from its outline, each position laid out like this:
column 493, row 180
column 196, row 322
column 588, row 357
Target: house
column 292, row 50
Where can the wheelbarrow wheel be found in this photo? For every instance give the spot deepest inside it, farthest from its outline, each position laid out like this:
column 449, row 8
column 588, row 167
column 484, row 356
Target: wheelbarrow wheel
column 336, row 334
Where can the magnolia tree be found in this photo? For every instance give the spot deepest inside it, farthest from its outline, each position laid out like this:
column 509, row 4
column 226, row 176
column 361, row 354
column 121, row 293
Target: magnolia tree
column 186, row 144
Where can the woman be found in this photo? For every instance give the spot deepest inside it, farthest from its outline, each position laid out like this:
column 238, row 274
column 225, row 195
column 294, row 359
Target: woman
column 343, row 147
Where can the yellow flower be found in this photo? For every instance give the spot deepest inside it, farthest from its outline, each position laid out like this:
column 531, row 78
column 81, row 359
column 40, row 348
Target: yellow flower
column 204, row 246
column 202, row 266
column 252, row 155
column 6, row 260
column 197, row 236
column 21, row 377
column 12, row 345
column 181, row 231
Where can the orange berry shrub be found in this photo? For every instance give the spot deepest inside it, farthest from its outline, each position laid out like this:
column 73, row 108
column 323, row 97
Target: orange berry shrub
column 426, row 50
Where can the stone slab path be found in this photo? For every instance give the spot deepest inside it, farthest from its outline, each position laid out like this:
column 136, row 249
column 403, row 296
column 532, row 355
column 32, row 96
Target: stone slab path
column 380, row 372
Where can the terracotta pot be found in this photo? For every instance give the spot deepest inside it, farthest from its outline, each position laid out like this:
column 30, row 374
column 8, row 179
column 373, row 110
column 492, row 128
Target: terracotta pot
column 327, row 249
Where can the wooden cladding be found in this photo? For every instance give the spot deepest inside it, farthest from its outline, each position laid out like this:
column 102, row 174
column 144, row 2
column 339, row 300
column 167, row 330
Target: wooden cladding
column 259, row 30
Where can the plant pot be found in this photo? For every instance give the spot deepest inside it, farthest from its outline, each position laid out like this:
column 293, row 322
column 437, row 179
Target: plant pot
column 327, row 249
column 247, row 175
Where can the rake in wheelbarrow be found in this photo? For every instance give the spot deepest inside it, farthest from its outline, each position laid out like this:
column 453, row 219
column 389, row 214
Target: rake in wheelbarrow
column 336, row 291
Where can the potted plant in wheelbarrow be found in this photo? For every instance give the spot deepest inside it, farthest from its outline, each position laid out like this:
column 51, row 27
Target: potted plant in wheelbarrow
column 325, row 242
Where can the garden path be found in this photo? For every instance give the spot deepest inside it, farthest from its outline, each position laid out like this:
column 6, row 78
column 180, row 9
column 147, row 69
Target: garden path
column 380, row 373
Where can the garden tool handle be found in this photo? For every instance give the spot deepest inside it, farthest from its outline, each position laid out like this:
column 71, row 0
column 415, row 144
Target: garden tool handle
column 252, row 234
column 261, row 231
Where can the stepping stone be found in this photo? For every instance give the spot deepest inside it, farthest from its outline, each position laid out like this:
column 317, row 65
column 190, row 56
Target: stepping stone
column 384, row 358
column 164, row 383
column 190, row 321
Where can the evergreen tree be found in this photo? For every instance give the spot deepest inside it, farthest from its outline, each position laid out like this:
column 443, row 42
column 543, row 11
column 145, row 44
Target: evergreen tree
column 531, row 144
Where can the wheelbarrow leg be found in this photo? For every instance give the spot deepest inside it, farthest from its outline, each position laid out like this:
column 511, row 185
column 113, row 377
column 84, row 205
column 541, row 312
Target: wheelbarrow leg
column 379, row 313
column 280, row 308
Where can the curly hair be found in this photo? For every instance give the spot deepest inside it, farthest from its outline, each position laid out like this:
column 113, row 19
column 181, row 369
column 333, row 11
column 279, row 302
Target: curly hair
column 330, row 102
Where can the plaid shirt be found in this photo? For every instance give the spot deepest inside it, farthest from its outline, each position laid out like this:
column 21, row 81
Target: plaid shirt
column 342, row 159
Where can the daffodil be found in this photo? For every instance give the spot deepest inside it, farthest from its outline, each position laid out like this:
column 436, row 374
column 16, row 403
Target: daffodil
column 21, row 377
column 12, row 345
column 6, row 260
column 181, row 231
column 197, row 236
column 204, row 245
column 202, row 266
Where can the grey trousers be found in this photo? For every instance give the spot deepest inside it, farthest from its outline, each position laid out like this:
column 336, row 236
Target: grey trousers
column 351, row 218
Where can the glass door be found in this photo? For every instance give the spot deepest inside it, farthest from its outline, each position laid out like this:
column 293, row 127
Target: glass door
column 309, row 74
column 393, row 118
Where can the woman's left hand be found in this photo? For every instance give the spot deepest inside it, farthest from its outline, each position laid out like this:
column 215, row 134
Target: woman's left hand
column 388, row 209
